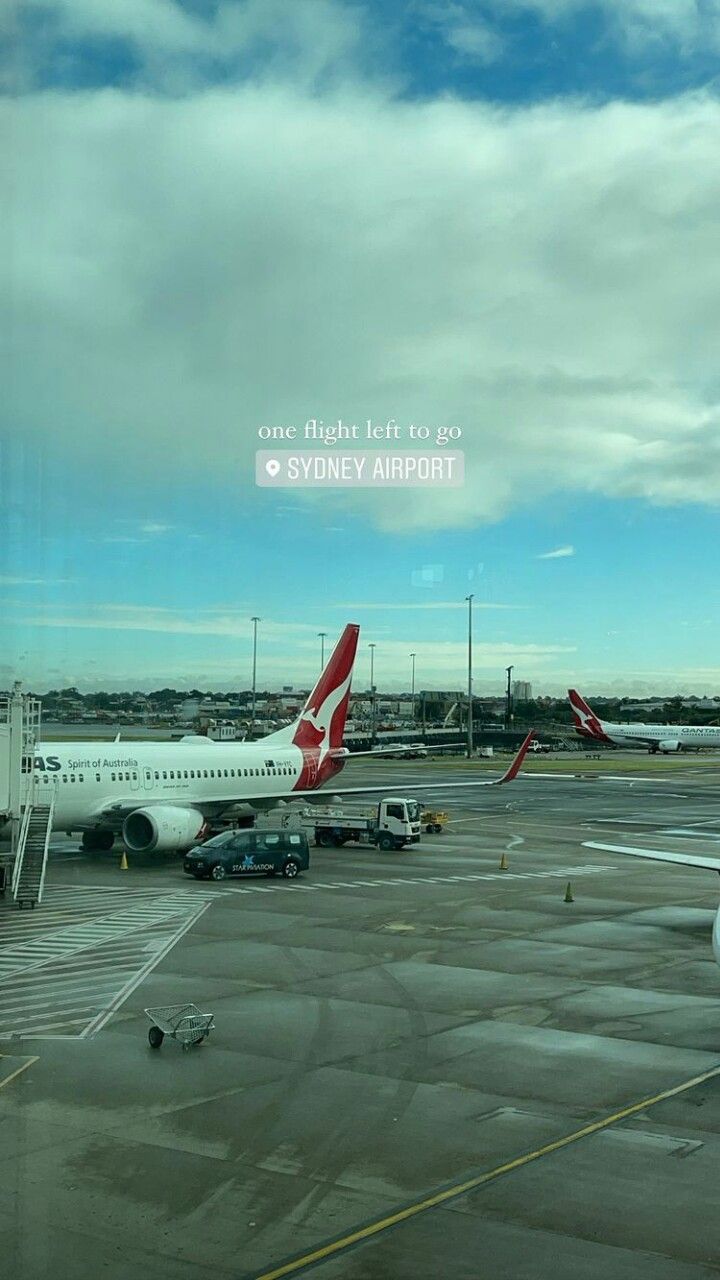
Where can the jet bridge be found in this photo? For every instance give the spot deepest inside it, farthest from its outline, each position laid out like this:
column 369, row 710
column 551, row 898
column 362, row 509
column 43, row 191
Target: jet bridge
column 24, row 817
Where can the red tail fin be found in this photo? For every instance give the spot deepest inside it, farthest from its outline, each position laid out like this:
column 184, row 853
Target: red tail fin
column 322, row 719
column 319, row 731
column 584, row 718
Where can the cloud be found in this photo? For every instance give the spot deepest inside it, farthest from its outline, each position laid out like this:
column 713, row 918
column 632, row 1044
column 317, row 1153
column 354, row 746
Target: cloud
column 153, row 528
column 560, row 553
column 423, row 604
column 686, row 24
column 287, row 652
column 176, row 47
column 462, row 29
column 544, row 278
column 634, row 28
column 133, row 617
column 6, row 581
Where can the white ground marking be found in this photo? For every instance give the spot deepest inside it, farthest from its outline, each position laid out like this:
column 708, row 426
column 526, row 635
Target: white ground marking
column 68, row 967
column 45, row 946
column 690, row 833
column 586, row 869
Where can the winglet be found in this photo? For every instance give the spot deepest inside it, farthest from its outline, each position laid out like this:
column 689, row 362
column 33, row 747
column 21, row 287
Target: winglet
column 516, row 765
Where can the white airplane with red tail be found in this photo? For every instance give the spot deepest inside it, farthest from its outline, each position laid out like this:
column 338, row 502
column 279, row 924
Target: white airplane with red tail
column 167, row 795
column 656, row 737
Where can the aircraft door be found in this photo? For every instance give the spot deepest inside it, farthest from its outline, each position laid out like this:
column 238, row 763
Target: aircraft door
column 148, row 779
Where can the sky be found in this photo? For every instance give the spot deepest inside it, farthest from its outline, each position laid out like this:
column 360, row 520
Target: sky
column 500, row 215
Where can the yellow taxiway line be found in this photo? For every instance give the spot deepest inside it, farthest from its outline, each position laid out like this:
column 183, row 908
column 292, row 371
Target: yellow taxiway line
column 370, row 1229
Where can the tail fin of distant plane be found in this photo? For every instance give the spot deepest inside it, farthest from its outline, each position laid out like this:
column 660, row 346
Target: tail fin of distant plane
column 321, row 724
column 584, row 718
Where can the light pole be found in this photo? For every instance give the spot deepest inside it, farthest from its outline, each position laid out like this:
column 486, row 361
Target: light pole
column 322, row 635
column 412, row 690
column 254, row 674
column 508, row 700
column 371, row 647
column 470, row 705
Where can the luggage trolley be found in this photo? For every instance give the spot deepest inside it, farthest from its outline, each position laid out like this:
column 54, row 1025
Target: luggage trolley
column 433, row 819
column 184, row 1022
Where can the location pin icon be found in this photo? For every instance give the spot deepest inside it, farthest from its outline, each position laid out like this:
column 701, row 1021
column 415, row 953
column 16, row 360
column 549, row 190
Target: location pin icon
column 272, row 466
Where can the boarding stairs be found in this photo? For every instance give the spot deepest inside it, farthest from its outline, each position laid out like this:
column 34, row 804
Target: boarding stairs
column 32, row 853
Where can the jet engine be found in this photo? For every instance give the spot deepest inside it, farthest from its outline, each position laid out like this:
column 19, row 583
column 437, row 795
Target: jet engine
column 161, row 827
column 670, row 744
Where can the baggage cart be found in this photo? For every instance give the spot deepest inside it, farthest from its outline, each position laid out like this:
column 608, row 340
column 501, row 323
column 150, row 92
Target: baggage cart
column 183, row 1022
column 433, row 819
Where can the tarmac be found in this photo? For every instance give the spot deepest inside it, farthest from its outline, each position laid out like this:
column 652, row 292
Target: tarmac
column 422, row 1065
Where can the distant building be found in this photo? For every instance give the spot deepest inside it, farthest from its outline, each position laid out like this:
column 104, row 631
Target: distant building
column 222, row 731
column 522, row 691
column 287, row 704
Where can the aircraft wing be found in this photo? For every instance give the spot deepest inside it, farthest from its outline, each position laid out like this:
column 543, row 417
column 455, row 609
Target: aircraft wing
column 658, row 855
column 116, row 812
column 511, row 772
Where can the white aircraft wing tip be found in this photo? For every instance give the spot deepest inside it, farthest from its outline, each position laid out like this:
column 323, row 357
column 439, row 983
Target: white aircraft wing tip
column 680, row 859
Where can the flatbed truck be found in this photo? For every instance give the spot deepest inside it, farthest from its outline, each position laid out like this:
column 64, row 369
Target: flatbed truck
column 391, row 824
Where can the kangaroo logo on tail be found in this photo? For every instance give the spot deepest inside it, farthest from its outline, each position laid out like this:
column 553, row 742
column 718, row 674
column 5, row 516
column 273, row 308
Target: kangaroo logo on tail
column 320, row 728
column 584, row 718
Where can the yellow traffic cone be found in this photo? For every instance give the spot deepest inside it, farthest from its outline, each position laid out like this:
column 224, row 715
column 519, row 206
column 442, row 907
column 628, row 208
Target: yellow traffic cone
column 503, row 863
column 568, row 893
column 124, row 861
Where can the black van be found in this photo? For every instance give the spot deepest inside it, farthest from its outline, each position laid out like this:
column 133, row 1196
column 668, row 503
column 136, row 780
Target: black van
column 242, row 853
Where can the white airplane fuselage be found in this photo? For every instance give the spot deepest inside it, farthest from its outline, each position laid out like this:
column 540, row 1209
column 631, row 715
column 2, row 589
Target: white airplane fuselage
column 669, row 737
column 90, row 778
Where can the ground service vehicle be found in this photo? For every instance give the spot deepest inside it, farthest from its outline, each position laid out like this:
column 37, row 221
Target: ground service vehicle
column 433, row 820
column 241, row 853
column 393, row 824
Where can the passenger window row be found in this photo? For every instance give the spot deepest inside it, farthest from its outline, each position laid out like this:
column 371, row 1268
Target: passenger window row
column 119, row 776
column 173, row 774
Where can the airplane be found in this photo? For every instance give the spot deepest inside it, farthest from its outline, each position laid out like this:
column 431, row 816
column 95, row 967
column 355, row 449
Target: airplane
column 680, row 859
column 656, row 737
column 168, row 795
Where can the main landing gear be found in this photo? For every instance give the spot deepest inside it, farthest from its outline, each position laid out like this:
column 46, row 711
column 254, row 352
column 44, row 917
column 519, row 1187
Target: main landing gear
column 97, row 841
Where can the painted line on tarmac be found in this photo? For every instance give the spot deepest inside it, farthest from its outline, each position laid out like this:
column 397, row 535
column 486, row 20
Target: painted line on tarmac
column 690, row 833
column 582, row 869
column 106, row 1014
column 446, row 1194
column 18, row 1070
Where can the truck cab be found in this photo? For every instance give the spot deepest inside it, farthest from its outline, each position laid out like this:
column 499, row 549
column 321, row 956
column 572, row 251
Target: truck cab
column 398, row 822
